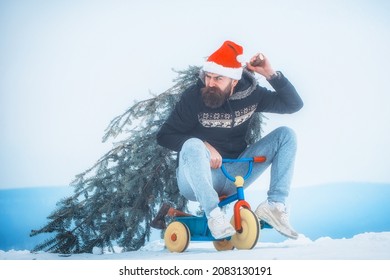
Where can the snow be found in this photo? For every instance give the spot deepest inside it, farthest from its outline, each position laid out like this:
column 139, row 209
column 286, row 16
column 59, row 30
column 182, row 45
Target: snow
column 363, row 256
column 365, row 246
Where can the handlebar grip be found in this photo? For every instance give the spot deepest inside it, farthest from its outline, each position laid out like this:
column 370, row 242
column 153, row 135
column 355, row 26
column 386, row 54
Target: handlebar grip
column 259, row 159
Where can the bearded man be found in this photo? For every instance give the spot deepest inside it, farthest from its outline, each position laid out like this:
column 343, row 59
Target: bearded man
column 210, row 122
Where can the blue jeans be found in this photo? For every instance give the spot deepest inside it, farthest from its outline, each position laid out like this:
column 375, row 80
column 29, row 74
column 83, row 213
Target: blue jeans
column 197, row 181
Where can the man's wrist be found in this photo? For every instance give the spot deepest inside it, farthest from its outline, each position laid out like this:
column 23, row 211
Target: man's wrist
column 278, row 81
column 272, row 76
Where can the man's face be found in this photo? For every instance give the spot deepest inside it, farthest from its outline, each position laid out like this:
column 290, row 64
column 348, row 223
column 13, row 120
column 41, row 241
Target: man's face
column 217, row 89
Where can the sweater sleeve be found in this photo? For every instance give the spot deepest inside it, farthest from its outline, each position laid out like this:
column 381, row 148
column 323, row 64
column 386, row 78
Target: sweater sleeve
column 177, row 128
column 283, row 100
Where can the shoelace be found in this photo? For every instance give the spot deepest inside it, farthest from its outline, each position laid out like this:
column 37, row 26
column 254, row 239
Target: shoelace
column 284, row 215
column 220, row 219
column 284, row 218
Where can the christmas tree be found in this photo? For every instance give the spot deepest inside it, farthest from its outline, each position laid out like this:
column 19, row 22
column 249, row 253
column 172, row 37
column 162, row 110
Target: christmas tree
column 115, row 200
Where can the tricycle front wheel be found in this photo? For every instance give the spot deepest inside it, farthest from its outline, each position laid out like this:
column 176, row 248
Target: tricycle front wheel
column 248, row 236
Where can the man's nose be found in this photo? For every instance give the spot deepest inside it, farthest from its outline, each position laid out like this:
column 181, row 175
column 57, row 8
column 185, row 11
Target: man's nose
column 211, row 83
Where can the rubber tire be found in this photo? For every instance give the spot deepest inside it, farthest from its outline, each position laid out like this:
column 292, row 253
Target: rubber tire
column 177, row 237
column 223, row 245
column 246, row 239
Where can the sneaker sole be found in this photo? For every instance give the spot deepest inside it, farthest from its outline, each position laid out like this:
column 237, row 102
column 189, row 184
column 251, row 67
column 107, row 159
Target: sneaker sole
column 225, row 235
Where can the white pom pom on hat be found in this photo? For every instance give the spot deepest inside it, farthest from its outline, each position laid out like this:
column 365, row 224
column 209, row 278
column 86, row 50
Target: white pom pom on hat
column 226, row 61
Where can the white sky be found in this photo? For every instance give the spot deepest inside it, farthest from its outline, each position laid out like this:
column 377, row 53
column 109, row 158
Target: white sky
column 67, row 68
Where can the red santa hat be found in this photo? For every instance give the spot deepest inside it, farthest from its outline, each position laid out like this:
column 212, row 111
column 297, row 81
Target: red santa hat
column 225, row 61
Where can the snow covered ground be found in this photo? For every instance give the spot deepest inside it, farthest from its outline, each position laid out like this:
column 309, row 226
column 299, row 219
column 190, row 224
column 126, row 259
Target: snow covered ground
column 363, row 256
column 366, row 246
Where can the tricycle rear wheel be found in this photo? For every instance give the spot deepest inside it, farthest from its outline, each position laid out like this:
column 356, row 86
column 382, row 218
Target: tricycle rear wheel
column 223, row 245
column 177, row 237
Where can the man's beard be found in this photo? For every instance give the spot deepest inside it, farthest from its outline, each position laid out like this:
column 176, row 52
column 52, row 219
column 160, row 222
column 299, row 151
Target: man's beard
column 214, row 97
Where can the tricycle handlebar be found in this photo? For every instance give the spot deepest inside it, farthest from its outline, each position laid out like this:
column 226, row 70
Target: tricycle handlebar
column 251, row 160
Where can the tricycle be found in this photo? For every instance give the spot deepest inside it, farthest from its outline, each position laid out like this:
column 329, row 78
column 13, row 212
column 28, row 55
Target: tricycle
column 186, row 227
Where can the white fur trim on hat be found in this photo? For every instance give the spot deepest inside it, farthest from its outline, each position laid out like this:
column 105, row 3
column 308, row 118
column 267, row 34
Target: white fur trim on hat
column 212, row 67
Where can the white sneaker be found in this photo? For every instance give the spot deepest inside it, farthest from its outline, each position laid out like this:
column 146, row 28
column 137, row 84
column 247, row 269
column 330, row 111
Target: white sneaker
column 275, row 214
column 219, row 225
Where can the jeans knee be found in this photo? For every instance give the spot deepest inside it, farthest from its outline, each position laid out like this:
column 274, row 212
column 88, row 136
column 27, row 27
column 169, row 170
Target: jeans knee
column 287, row 133
column 193, row 147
